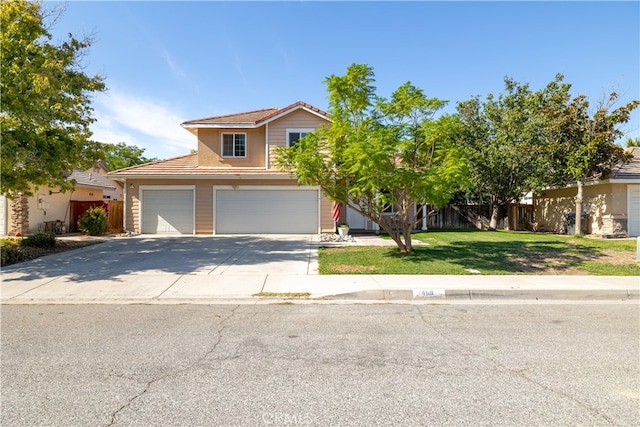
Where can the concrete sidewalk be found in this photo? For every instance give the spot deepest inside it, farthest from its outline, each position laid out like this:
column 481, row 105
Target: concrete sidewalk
column 180, row 288
column 254, row 268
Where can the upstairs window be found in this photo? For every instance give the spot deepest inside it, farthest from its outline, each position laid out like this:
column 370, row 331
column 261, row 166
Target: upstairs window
column 234, row 145
column 294, row 135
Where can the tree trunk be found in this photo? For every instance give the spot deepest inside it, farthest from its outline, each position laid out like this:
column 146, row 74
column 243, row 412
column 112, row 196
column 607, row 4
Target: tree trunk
column 578, row 230
column 387, row 225
column 495, row 211
column 407, row 241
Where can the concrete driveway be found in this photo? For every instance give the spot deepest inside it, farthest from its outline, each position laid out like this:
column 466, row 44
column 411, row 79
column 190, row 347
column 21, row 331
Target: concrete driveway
column 159, row 265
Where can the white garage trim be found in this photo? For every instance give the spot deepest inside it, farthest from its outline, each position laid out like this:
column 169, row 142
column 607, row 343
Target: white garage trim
column 279, row 188
column 144, row 188
column 633, row 210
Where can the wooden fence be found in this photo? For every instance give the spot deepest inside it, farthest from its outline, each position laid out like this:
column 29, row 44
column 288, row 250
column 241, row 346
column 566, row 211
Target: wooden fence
column 519, row 217
column 113, row 208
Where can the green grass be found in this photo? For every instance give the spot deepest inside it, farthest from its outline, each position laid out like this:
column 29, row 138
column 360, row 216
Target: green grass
column 502, row 252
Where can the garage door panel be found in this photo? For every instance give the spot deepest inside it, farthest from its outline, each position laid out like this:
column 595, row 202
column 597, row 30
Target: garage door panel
column 267, row 211
column 167, row 212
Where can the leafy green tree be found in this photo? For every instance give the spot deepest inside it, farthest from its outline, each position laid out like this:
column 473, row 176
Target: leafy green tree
column 46, row 109
column 380, row 156
column 581, row 145
column 504, row 143
column 120, row 155
column 632, row 142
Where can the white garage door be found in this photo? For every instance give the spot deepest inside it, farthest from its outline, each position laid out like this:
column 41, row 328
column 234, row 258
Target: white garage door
column 167, row 212
column 266, row 211
column 633, row 209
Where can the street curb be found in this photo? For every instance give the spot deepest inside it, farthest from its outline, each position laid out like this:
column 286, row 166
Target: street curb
column 492, row 294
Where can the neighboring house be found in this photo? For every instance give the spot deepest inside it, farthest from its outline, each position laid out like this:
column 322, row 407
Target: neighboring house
column 612, row 205
column 49, row 207
column 231, row 185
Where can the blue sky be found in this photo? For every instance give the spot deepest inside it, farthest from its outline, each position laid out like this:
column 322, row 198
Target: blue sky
column 167, row 62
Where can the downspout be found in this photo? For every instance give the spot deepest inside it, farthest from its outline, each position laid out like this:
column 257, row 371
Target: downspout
column 68, row 210
column 266, row 148
column 124, row 206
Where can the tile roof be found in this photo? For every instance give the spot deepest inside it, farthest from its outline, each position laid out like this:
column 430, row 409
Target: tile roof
column 90, row 179
column 248, row 118
column 187, row 166
column 629, row 170
column 255, row 117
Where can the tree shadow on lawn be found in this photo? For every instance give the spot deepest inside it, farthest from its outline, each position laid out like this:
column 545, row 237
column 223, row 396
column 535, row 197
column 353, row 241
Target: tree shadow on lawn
column 504, row 257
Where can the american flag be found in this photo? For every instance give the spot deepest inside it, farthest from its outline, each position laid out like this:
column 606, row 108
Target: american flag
column 335, row 212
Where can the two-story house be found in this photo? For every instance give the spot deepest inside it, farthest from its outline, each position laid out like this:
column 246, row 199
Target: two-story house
column 231, row 185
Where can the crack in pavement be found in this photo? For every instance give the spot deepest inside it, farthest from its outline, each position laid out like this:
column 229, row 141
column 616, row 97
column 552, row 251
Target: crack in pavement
column 518, row 372
column 221, row 329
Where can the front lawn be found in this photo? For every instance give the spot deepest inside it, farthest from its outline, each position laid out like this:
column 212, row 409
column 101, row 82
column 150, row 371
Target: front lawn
column 498, row 252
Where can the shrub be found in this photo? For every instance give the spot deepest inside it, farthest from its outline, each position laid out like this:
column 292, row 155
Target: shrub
column 40, row 240
column 93, row 222
column 10, row 252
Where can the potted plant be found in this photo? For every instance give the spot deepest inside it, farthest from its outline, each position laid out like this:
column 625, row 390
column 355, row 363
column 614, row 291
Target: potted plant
column 343, row 230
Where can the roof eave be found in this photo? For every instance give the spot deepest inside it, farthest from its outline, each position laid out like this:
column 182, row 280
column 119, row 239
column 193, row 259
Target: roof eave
column 289, row 111
column 220, row 126
column 210, row 176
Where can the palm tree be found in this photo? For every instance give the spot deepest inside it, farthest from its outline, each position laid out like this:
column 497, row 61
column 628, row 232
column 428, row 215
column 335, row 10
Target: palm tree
column 632, row 142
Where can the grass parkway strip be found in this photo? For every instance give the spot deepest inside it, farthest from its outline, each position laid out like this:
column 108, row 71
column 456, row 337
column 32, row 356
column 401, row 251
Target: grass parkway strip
column 488, row 252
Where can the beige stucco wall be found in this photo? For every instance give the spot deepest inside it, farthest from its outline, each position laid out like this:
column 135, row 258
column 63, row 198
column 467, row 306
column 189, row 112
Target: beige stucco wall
column 53, row 207
column 210, row 140
column 600, row 201
column 299, row 119
column 204, row 200
column 210, row 148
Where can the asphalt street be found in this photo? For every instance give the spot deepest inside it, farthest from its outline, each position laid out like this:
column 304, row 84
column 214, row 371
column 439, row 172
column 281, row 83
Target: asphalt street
column 307, row 364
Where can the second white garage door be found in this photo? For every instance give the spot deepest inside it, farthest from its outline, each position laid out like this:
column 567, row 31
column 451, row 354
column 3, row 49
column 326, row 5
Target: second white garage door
column 279, row 211
column 167, row 211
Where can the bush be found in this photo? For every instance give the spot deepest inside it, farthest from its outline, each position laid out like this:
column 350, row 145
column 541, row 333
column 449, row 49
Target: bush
column 93, row 222
column 40, row 240
column 10, row 252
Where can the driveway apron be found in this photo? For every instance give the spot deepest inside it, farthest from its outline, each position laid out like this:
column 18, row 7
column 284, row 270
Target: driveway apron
column 144, row 267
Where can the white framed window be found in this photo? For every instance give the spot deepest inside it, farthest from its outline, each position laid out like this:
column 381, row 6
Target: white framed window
column 294, row 135
column 234, row 145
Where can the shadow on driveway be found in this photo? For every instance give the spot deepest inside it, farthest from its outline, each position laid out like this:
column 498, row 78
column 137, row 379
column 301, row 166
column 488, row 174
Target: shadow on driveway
column 171, row 255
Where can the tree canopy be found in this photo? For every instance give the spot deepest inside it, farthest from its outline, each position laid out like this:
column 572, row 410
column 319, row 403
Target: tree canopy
column 582, row 145
column 380, row 156
column 121, row 155
column 46, row 107
column 504, row 143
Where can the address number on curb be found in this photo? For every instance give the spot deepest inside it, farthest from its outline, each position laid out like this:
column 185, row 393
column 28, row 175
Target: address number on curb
column 428, row 293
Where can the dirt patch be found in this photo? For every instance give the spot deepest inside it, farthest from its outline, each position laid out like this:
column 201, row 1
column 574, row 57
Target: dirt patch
column 355, row 269
column 554, row 263
column 617, row 257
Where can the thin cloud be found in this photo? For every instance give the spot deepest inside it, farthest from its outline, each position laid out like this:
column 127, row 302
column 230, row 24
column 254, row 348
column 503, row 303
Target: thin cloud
column 177, row 71
column 122, row 117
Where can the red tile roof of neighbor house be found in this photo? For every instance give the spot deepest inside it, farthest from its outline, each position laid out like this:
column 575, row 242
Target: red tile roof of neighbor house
column 187, row 166
column 253, row 118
